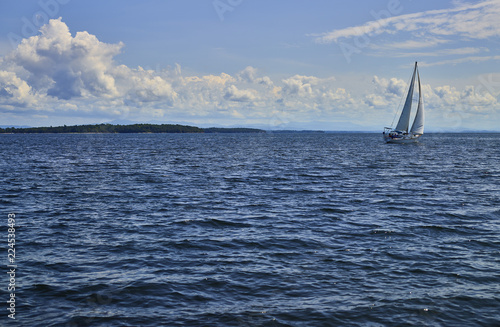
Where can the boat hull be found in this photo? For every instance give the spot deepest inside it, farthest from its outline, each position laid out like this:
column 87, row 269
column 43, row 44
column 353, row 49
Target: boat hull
column 402, row 140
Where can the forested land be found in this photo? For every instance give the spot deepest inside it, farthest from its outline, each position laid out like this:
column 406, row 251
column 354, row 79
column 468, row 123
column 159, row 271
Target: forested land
column 134, row 128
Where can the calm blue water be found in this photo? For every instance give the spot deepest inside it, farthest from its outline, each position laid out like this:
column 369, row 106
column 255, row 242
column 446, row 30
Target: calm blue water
column 253, row 230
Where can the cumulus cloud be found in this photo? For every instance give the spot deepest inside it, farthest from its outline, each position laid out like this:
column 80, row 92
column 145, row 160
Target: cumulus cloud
column 14, row 91
column 469, row 98
column 233, row 94
column 390, row 87
column 79, row 71
column 59, row 65
column 67, row 66
column 299, row 85
column 140, row 86
column 440, row 100
column 376, row 100
column 305, row 88
column 250, row 75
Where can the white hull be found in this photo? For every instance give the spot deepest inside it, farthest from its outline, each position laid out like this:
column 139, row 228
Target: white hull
column 402, row 140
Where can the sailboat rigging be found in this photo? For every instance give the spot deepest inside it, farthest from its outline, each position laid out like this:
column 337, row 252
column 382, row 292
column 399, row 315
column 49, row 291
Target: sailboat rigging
column 402, row 133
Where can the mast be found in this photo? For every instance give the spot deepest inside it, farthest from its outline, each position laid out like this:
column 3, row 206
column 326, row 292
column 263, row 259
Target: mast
column 418, row 123
column 404, row 119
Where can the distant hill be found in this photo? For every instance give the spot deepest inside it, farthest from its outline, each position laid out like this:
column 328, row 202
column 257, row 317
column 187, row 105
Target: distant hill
column 133, row 128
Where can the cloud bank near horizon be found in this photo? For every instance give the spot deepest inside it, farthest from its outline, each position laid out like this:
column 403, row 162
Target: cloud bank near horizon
column 56, row 74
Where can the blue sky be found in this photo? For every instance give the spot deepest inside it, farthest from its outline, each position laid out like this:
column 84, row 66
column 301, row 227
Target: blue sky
column 272, row 64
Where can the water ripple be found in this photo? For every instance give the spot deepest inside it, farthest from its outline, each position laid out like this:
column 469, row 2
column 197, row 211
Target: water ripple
column 254, row 230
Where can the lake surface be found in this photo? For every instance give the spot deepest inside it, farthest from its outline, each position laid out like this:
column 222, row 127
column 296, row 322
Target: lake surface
column 252, row 229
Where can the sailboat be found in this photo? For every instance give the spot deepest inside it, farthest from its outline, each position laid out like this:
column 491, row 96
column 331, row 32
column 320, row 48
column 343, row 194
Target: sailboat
column 402, row 133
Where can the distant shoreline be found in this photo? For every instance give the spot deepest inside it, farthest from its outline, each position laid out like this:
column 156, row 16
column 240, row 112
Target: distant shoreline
column 120, row 129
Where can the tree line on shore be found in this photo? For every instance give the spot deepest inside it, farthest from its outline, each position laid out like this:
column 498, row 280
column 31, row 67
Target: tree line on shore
column 134, row 128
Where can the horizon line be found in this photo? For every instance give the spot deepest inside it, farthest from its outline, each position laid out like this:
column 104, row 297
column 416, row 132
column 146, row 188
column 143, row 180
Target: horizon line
column 235, row 128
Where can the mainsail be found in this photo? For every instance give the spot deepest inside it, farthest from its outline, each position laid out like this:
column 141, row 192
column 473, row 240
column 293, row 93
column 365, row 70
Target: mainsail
column 418, row 123
column 404, row 119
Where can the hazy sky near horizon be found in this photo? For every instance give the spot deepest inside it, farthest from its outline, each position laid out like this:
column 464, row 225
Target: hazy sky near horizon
column 275, row 64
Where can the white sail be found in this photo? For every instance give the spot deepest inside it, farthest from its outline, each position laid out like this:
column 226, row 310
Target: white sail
column 418, row 123
column 404, row 119
column 401, row 134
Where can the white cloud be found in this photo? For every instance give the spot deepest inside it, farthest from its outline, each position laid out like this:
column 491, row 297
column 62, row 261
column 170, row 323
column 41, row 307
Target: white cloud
column 390, row 87
column 469, row 99
column 376, row 100
column 249, row 74
column 299, row 85
column 445, row 52
column 80, row 69
column 473, row 21
column 14, row 91
column 140, row 86
column 473, row 59
column 444, row 104
column 64, row 66
column 417, row 44
column 233, row 94
column 428, row 31
column 306, row 86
